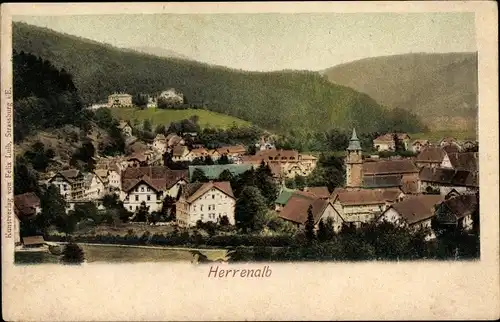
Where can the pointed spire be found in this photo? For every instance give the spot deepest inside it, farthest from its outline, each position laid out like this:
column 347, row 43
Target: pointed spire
column 354, row 144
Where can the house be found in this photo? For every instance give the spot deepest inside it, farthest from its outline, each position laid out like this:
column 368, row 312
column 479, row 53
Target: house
column 212, row 172
column 151, row 103
column 458, row 211
column 256, row 161
column 363, row 205
column 233, row 151
column 265, row 144
column 419, row 145
column 103, row 175
column 26, row 206
column 468, row 145
column 172, row 96
column 70, row 183
column 447, row 141
column 94, row 187
column 126, row 128
column 160, row 143
column 208, row 202
column 461, row 161
column 151, row 185
column 214, row 154
column 386, row 142
column 196, row 153
column 180, row 153
column 114, row 177
column 296, row 210
column 414, row 212
column 119, row 100
column 291, row 163
column 174, row 140
column 431, row 156
column 445, row 179
column 33, row 241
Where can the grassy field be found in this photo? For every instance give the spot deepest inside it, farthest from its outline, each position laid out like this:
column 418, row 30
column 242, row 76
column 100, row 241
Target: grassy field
column 120, row 254
column 161, row 116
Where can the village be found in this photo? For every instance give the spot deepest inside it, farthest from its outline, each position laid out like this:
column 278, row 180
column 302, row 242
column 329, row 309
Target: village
column 439, row 181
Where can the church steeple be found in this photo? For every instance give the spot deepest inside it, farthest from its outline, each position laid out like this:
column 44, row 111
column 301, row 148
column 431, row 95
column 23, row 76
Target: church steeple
column 354, row 144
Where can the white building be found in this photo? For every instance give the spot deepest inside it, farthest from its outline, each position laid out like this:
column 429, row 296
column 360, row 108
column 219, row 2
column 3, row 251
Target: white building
column 94, row 187
column 172, row 96
column 160, row 143
column 208, row 202
column 70, row 184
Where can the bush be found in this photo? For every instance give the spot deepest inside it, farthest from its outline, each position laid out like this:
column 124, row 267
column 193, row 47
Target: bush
column 73, row 254
column 55, row 250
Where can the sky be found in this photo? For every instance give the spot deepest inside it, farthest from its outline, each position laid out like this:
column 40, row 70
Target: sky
column 265, row 42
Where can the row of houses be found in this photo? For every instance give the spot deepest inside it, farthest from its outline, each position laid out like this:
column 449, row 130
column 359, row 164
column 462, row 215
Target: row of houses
column 386, row 142
column 125, row 100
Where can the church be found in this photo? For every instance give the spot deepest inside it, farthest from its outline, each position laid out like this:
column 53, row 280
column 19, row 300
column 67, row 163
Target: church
column 376, row 174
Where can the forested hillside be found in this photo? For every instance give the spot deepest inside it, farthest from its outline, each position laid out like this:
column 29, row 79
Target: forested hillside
column 282, row 101
column 441, row 88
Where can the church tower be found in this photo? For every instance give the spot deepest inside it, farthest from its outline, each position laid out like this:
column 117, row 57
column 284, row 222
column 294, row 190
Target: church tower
column 354, row 162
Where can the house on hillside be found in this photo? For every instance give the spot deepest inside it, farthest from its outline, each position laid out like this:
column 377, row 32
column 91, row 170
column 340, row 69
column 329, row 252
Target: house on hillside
column 119, row 100
column 431, row 156
column 151, row 185
column 360, row 206
column 103, row 175
column 233, row 151
column 26, row 207
column 468, row 161
column 70, row 184
column 94, row 187
column 386, row 142
column 296, row 210
column 414, row 212
column 447, row 141
column 172, row 96
column 173, row 140
column 137, row 159
column 419, row 145
column 458, row 211
column 197, row 153
column 126, row 128
column 207, row 202
column 290, row 162
column 180, row 153
column 160, row 143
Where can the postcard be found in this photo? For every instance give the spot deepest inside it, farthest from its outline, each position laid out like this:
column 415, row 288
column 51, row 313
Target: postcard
column 250, row 161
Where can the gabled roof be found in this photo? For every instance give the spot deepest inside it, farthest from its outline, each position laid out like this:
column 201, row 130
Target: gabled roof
column 389, row 167
column 389, row 137
column 158, row 177
column 179, row 150
column 431, row 154
column 365, row 196
column 462, row 205
column 451, row 177
column 320, row 192
column 26, row 203
column 414, row 209
column 69, row 175
column 464, row 161
column 192, row 191
column 297, row 206
column 280, row 154
column 232, row 149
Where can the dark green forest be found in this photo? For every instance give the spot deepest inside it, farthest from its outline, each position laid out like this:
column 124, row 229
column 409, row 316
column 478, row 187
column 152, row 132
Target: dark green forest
column 279, row 101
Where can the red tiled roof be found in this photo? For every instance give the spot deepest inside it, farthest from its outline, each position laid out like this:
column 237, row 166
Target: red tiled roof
column 463, row 205
column 157, row 177
column 280, row 154
column 298, row 205
column 414, row 209
column 464, row 161
column 431, row 154
column 192, row 191
column 389, row 167
column 365, row 196
column 179, row 150
column 321, row 192
column 232, row 149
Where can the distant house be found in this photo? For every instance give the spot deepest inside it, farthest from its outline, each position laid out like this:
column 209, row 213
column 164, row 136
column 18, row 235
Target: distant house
column 94, row 186
column 208, row 202
column 172, row 96
column 214, row 154
column 160, row 143
column 446, row 180
column 431, row 156
column 290, row 162
column 383, row 174
column 70, row 183
column 415, row 212
column 119, row 100
column 265, row 144
column 114, row 177
column 126, row 128
column 212, row 172
column 419, row 145
column 232, row 152
column 458, row 211
column 461, row 161
column 174, row 140
column 180, row 153
column 197, row 153
column 26, row 206
column 360, row 206
column 296, row 210
column 137, row 160
column 386, row 142
column 447, row 141
column 151, row 185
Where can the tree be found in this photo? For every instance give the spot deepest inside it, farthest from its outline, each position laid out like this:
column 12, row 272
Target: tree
column 142, row 213
column 249, row 205
column 309, row 226
column 199, row 176
column 160, row 129
column 266, row 184
column 66, row 223
column 168, row 208
column 73, row 254
column 111, row 201
column 53, row 207
column 226, row 175
column 147, row 126
column 252, row 149
column 140, row 100
column 208, row 160
column 223, row 159
column 25, row 178
column 224, row 221
column 398, row 144
column 300, row 182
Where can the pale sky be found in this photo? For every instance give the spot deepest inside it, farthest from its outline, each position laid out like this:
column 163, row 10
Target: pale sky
column 264, row 42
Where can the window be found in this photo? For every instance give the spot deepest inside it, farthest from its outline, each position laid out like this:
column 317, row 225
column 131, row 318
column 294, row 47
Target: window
column 136, row 198
column 65, row 187
column 201, row 216
column 209, row 207
column 213, row 207
column 213, row 196
column 194, row 207
column 201, row 208
column 148, row 189
column 149, row 197
column 136, row 207
column 142, row 189
column 130, row 207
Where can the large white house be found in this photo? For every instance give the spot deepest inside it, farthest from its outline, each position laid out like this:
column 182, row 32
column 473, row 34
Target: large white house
column 70, row 184
column 94, row 186
column 208, row 202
